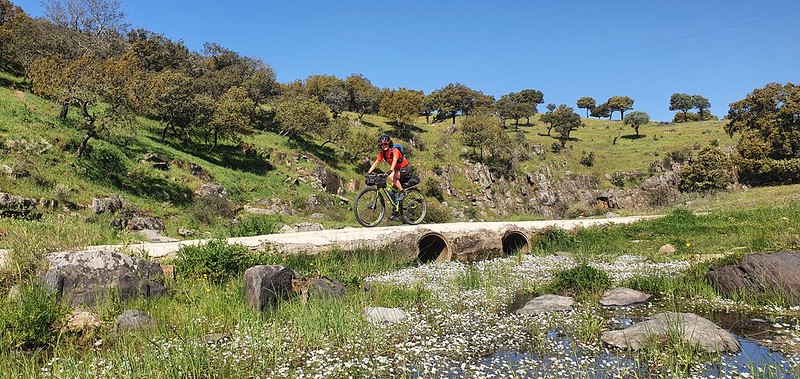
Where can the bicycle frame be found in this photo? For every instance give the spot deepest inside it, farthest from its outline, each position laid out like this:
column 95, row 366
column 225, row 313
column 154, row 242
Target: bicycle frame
column 386, row 191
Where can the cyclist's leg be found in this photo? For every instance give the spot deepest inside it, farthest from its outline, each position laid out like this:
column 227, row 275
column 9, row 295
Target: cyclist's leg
column 402, row 172
column 396, row 180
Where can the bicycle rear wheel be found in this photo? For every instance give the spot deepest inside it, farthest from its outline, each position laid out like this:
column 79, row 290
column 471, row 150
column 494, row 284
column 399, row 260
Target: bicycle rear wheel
column 414, row 206
column 369, row 207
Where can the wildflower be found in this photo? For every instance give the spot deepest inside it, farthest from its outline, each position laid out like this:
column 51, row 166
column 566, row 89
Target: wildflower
column 688, row 244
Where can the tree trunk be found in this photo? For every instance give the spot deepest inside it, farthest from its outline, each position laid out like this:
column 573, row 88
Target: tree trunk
column 85, row 141
column 64, row 110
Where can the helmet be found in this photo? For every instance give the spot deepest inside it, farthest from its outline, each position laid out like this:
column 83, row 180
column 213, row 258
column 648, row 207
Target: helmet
column 384, row 139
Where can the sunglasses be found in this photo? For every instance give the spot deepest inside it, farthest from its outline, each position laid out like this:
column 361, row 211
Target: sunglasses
column 382, row 144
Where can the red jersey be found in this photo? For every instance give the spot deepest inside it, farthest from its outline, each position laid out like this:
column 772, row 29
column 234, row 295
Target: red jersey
column 391, row 155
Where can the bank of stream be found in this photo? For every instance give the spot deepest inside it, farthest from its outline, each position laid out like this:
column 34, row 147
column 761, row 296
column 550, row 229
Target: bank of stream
column 473, row 332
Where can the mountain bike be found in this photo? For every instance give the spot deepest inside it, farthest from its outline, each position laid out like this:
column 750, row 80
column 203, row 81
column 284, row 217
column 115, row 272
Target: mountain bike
column 369, row 206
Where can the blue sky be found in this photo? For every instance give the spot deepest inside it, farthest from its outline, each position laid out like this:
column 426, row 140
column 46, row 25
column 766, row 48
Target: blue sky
column 648, row 50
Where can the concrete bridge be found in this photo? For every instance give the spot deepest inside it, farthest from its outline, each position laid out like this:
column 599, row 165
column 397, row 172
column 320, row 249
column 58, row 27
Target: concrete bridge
column 430, row 242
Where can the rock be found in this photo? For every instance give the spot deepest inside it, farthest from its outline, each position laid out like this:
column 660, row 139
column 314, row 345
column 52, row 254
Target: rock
column 211, row 189
column 15, row 206
column 82, row 278
column 264, row 286
column 270, row 207
column 622, row 296
column 381, row 315
column 169, row 271
column 157, row 161
column 667, row 249
column 133, row 319
column 322, row 287
column 81, row 320
column 102, row 205
column 329, row 180
column 153, row 235
column 188, row 232
column 546, row 303
column 145, row 222
column 302, row 227
column 4, row 260
column 695, row 329
column 757, row 273
column 216, row 338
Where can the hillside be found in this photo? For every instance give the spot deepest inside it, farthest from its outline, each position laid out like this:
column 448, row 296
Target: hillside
column 278, row 181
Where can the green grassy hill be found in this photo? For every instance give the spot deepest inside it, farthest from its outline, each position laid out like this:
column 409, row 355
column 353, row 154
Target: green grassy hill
column 39, row 152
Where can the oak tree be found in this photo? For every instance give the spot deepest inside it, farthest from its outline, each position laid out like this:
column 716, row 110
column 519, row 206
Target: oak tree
column 587, row 103
column 636, row 119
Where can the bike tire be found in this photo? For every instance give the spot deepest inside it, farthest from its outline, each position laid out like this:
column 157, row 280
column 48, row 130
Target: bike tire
column 369, row 207
column 414, row 207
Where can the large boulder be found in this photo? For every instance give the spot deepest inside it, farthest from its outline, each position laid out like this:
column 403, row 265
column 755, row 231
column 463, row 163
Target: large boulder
column 622, row 296
column 757, row 273
column 695, row 330
column 83, row 278
column 545, row 304
column 264, row 286
column 111, row 204
column 329, row 180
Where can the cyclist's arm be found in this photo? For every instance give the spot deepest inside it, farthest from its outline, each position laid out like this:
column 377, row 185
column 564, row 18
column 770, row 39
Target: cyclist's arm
column 375, row 164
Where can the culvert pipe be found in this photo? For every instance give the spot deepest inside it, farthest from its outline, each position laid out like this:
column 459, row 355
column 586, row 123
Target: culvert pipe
column 515, row 242
column 432, row 247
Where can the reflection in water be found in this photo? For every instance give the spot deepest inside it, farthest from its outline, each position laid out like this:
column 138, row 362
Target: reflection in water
column 754, row 359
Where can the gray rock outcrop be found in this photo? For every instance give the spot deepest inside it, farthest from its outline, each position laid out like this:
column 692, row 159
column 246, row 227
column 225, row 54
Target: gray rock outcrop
column 83, row 278
column 111, row 204
column 381, row 315
column 546, row 303
column 622, row 296
column 264, row 286
column 757, row 273
column 695, row 330
column 133, row 319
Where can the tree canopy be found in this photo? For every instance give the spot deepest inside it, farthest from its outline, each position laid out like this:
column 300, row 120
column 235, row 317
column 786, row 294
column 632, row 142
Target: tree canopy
column 619, row 104
column 768, row 120
column 636, row 119
column 587, row 103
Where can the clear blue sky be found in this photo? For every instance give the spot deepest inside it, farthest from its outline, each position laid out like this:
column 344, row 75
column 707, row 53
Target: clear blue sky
column 648, row 50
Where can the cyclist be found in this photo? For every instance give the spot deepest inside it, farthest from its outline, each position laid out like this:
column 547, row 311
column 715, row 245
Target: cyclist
column 397, row 162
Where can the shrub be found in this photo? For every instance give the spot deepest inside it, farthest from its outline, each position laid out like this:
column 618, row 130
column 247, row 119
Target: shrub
column 253, row 226
column 432, row 187
column 437, row 213
column 617, row 179
column 208, row 208
column 29, row 319
column 553, row 239
column 215, row 260
column 711, row 170
column 588, row 159
column 767, row 171
column 105, row 163
column 661, row 196
column 580, row 280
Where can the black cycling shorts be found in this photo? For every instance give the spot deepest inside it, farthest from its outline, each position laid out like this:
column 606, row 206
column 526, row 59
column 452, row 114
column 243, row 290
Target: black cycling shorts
column 403, row 171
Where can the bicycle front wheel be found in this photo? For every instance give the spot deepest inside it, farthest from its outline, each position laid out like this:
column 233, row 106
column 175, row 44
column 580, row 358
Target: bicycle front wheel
column 369, row 207
column 414, row 206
